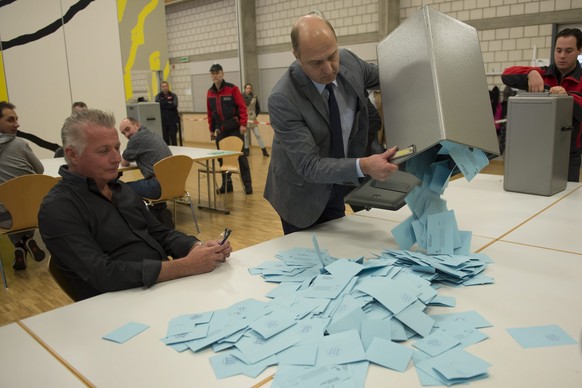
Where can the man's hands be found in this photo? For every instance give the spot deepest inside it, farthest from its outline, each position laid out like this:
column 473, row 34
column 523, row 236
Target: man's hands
column 535, row 82
column 243, row 129
column 204, row 258
column 558, row 90
column 201, row 259
column 378, row 166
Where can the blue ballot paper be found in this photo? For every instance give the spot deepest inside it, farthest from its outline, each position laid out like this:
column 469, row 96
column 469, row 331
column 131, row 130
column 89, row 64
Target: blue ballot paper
column 344, row 268
column 472, row 318
column 436, row 343
column 375, row 328
column 442, row 233
column 273, row 323
column 126, row 332
column 541, row 336
column 255, row 348
column 469, row 160
column 291, row 376
column 404, row 234
column 340, row 348
column 394, row 294
column 305, row 354
column 454, row 367
column 389, row 354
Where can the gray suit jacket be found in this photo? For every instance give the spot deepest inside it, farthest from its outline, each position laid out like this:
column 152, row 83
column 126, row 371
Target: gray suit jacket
column 302, row 173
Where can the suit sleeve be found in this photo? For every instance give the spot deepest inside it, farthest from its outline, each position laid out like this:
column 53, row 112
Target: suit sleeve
column 306, row 142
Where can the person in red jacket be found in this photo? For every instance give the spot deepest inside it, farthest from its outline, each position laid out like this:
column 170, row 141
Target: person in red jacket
column 227, row 116
column 562, row 77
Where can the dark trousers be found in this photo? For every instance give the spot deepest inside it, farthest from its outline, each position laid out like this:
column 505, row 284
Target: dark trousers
column 169, row 132
column 243, row 162
column 334, row 209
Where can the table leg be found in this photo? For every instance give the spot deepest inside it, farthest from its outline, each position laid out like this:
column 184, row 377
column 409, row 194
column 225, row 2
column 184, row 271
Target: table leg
column 211, row 194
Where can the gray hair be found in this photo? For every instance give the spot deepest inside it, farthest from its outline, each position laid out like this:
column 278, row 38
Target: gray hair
column 73, row 131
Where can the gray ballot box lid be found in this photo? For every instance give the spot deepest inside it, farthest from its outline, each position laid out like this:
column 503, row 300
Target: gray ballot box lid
column 434, row 88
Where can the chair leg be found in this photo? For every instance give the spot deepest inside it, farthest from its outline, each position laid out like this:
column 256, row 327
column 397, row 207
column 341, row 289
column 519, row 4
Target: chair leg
column 192, row 210
column 175, row 219
column 199, row 188
column 3, row 273
column 242, row 184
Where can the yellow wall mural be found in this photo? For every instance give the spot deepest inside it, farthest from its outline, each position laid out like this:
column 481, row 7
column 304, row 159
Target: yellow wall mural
column 142, row 30
column 3, row 87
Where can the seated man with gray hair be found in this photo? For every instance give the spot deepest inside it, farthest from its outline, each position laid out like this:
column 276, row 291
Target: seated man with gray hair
column 99, row 232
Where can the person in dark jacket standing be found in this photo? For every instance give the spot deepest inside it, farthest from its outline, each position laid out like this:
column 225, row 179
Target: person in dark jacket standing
column 170, row 118
column 227, row 116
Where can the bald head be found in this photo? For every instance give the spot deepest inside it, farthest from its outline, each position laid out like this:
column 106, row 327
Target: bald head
column 315, row 47
column 310, row 27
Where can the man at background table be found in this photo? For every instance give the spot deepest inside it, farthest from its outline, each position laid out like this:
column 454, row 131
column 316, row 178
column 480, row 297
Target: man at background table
column 16, row 159
column 146, row 148
column 99, row 232
column 562, row 77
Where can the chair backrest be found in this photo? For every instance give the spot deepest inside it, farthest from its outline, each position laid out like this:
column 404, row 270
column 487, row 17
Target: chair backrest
column 22, row 197
column 172, row 173
column 230, row 143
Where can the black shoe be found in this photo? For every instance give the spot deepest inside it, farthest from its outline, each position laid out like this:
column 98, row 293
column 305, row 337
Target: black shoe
column 19, row 259
column 265, row 153
column 246, row 152
column 228, row 189
column 248, row 190
column 35, row 251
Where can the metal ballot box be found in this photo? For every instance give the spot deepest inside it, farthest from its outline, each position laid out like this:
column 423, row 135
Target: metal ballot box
column 148, row 114
column 434, row 88
column 537, row 148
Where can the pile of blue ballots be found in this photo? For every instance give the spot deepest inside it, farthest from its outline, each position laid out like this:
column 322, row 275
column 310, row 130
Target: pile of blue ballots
column 329, row 318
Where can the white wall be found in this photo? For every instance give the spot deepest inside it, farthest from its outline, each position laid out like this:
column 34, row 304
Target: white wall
column 193, row 25
column 80, row 61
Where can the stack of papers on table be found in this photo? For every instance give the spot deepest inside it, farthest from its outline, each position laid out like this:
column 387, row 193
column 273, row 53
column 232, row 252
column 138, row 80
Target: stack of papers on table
column 330, row 318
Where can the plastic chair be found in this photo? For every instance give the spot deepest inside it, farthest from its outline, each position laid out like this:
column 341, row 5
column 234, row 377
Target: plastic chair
column 172, row 173
column 22, row 197
column 229, row 163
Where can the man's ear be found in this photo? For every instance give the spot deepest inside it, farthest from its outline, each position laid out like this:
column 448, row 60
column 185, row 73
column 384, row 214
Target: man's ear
column 71, row 155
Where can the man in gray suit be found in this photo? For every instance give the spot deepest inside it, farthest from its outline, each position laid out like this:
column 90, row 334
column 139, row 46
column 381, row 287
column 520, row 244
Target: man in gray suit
column 307, row 179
